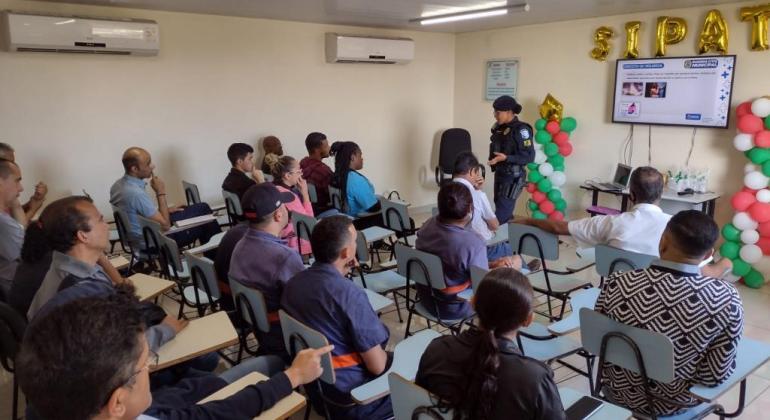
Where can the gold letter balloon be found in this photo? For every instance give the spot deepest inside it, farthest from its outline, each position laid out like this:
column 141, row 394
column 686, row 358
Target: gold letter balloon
column 714, row 34
column 671, row 30
column 601, row 40
column 632, row 39
column 758, row 16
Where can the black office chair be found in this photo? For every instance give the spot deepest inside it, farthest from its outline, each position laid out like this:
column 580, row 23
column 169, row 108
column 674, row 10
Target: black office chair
column 12, row 327
column 453, row 142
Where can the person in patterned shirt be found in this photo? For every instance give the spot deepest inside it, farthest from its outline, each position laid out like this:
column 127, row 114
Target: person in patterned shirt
column 702, row 316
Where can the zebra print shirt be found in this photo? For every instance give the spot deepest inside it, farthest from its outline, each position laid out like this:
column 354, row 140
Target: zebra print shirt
column 702, row 316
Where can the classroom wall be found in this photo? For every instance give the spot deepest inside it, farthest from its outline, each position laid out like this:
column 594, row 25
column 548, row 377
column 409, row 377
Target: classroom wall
column 555, row 59
column 218, row 80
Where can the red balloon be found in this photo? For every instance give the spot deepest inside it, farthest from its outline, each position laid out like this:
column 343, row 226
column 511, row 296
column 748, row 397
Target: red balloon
column 547, row 207
column 565, row 149
column 749, row 190
column 552, row 127
column 764, row 245
column 750, row 124
column 538, row 197
column 760, row 212
column 764, row 230
column 762, row 138
column 556, row 215
column 743, row 109
column 531, row 187
column 561, row 138
column 743, row 200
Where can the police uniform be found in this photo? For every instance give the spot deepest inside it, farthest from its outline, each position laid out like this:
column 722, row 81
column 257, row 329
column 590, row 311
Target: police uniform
column 514, row 140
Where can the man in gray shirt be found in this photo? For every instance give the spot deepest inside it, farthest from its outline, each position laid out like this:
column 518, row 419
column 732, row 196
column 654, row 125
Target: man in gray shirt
column 12, row 222
column 35, row 201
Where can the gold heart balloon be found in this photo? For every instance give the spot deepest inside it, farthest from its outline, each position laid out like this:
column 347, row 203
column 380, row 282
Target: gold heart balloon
column 551, row 108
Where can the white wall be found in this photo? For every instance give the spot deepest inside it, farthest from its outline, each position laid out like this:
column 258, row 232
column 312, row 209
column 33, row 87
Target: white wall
column 218, row 80
column 555, row 59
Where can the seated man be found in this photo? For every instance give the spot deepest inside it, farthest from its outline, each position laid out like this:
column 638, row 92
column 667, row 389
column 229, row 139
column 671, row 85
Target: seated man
column 12, row 223
column 128, row 193
column 467, row 171
column 89, row 360
column 322, row 298
column 241, row 156
column 35, row 202
column 316, row 172
column 262, row 260
column 702, row 316
column 270, row 144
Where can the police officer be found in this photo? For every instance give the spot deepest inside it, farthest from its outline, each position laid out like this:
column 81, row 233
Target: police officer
column 510, row 151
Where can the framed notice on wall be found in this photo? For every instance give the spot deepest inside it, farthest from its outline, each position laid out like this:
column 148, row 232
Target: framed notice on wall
column 502, row 77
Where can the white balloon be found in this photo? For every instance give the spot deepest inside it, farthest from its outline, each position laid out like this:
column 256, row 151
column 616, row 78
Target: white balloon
column 540, row 157
column 751, row 254
column 558, row 178
column 743, row 221
column 761, row 107
column 749, row 236
column 732, row 278
column 763, row 196
column 755, row 180
column 546, row 169
column 743, row 142
column 750, row 167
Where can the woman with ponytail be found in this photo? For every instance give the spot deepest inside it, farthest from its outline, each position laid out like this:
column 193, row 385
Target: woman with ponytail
column 356, row 190
column 287, row 177
column 481, row 374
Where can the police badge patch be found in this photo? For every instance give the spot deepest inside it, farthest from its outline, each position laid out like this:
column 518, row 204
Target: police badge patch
column 524, row 133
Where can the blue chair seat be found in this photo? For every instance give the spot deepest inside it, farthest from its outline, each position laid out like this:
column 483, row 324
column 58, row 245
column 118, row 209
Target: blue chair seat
column 189, row 295
column 378, row 301
column 558, row 283
column 184, row 273
column 382, row 281
column 582, row 299
column 376, row 233
column 688, row 414
column 751, row 355
column 423, row 311
column 547, row 349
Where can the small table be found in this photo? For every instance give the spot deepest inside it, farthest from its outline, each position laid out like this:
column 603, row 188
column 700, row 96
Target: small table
column 608, row 411
column 184, row 224
column 119, row 262
column 148, row 287
column 708, row 201
column 202, row 335
column 283, row 409
column 213, row 243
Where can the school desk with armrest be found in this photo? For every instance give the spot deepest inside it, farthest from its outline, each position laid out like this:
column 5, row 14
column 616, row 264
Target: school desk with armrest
column 202, row 335
column 283, row 409
column 149, row 287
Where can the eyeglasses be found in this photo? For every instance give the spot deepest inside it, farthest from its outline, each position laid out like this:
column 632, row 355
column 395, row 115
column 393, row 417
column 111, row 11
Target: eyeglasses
column 296, row 171
column 150, row 364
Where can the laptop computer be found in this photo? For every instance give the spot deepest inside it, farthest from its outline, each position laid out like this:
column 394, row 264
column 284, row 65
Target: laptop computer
column 620, row 181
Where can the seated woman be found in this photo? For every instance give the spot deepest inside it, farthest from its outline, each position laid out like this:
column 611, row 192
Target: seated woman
column 356, row 190
column 447, row 236
column 481, row 373
column 287, row 176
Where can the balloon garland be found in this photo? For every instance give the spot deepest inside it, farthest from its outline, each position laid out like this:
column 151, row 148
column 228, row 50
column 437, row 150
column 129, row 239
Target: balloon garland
column 747, row 238
column 546, row 174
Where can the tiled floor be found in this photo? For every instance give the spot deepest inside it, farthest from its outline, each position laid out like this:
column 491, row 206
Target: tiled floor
column 757, row 317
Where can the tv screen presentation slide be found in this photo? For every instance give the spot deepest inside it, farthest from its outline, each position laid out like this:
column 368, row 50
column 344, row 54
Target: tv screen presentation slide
column 689, row 91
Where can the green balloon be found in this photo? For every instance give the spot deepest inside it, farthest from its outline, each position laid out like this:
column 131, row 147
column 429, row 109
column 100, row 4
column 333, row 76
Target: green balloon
column 537, row 214
column 540, row 124
column 544, row 185
column 560, row 205
column 532, row 166
column 554, row 195
column 532, row 205
column 767, row 122
column 766, row 168
column 754, row 279
column 534, row 177
column 730, row 250
column 559, row 168
column 740, row 267
column 543, row 137
column 551, row 149
column 556, row 160
column 568, row 124
column 731, row 233
column 759, row 155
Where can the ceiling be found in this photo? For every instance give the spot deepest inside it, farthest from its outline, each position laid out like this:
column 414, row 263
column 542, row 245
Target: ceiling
column 397, row 13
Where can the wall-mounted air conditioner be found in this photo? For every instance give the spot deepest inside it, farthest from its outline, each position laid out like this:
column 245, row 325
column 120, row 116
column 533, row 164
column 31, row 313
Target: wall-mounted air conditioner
column 367, row 49
column 75, row 34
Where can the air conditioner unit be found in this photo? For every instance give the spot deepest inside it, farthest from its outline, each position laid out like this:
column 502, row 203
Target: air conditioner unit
column 76, row 34
column 367, row 49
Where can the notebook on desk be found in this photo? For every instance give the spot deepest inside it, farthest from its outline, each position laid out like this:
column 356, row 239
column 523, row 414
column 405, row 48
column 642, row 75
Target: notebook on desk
column 620, row 181
column 195, row 220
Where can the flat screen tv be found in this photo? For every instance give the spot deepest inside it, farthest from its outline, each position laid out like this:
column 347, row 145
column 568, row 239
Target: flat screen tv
column 685, row 91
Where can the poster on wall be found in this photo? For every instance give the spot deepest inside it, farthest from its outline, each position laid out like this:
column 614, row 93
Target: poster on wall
column 502, row 77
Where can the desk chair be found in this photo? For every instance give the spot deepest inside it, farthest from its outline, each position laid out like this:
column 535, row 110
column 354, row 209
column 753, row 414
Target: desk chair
column 204, row 292
column 150, row 231
column 382, row 282
column 424, row 269
column 554, row 284
column 413, row 402
column 453, row 142
column 395, row 217
column 651, row 355
column 611, row 260
column 121, row 224
column 233, row 207
column 191, row 193
column 251, row 308
column 303, row 228
column 312, row 193
column 336, row 199
column 12, row 326
column 177, row 270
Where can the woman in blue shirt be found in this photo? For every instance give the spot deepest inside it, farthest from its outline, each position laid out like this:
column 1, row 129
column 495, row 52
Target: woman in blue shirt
column 356, row 190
